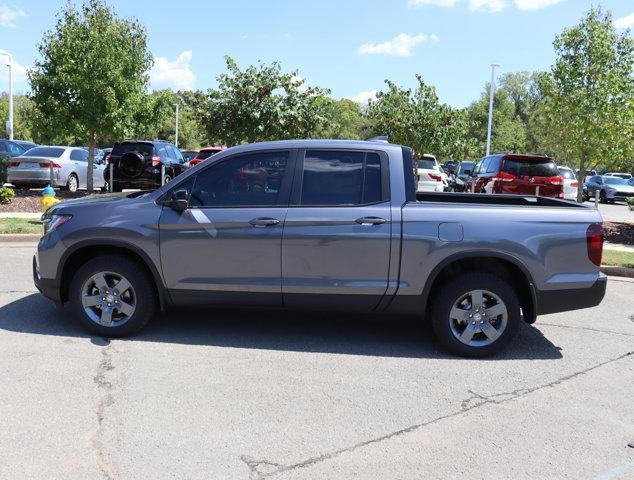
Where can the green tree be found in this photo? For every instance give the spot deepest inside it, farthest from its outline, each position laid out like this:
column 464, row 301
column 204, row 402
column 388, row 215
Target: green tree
column 90, row 81
column 344, row 119
column 22, row 114
column 417, row 118
column 587, row 114
column 261, row 103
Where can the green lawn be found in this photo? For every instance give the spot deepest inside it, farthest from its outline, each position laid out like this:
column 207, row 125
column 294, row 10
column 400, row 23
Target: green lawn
column 13, row 225
column 618, row 258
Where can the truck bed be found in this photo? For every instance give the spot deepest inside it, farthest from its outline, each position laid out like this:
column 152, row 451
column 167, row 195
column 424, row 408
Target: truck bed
column 484, row 199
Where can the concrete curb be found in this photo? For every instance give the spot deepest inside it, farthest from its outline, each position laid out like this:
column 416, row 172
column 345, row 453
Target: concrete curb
column 618, row 271
column 20, row 237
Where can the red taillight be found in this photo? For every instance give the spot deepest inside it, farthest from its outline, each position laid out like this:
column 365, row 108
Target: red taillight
column 555, row 180
column 194, row 162
column 594, row 237
column 437, row 178
column 14, row 164
column 574, row 184
column 48, row 165
column 107, row 158
column 505, row 177
column 156, row 161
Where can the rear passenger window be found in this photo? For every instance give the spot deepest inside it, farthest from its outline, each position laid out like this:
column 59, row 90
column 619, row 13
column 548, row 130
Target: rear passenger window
column 341, row 178
column 77, row 155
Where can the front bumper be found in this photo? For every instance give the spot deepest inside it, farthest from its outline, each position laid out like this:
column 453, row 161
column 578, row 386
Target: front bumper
column 47, row 287
column 563, row 300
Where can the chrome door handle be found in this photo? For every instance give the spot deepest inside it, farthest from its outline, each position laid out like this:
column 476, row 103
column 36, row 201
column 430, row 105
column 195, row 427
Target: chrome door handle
column 264, row 222
column 370, row 220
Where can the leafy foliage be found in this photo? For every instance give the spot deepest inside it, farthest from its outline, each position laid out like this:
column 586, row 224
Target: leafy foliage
column 91, row 79
column 261, row 103
column 6, row 194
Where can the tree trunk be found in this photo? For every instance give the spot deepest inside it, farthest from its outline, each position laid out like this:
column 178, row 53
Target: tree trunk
column 91, row 161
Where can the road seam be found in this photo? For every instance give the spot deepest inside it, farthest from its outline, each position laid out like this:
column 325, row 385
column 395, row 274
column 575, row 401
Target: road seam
column 261, row 469
column 585, row 328
column 106, row 386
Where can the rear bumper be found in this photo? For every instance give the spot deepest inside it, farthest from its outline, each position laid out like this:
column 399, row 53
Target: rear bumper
column 553, row 301
column 19, row 177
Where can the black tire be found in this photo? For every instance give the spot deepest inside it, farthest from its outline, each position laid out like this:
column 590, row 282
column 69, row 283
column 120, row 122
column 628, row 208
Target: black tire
column 602, row 197
column 451, row 291
column 71, row 185
column 139, row 278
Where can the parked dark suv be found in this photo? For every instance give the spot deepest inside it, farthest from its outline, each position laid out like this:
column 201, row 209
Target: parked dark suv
column 137, row 163
column 516, row 174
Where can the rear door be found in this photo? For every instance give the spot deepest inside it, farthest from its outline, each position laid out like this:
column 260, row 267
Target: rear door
column 226, row 247
column 78, row 164
column 336, row 242
column 531, row 176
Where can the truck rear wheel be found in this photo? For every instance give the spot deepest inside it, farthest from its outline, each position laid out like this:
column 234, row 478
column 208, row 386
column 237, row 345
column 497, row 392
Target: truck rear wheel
column 112, row 296
column 475, row 315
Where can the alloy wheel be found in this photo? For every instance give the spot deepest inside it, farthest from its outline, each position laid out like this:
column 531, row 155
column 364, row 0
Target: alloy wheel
column 478, row 318
column 108, row 299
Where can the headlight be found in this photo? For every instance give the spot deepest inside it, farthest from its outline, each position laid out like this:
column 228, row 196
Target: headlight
column 54, row 221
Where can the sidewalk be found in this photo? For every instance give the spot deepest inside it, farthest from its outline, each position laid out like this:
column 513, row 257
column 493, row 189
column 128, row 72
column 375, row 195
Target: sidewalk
column 20, row 214
column 619, row 247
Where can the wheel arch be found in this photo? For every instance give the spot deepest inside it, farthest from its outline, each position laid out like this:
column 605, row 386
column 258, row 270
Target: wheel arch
column 81, row 252
column 503, row 265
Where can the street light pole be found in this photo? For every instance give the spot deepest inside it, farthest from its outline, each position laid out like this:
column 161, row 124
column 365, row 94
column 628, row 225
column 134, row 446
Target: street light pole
column 176, row 135
column 492, row 93
column 10, row 122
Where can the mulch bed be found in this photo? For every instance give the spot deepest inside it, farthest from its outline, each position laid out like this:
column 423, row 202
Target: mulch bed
column 619, row 233
column 28, row 200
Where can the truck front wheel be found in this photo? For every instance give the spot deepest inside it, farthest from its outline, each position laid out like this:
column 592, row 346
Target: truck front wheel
column 475, row 315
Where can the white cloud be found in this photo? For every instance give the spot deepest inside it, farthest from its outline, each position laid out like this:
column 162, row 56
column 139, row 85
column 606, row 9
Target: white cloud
column 625, row 22
column 399, row 46
column 535, row 4
column 19, row 71
column 492, row 6
column 436, row 3
column 362, row 98
column 176, row 75
column 8, row 15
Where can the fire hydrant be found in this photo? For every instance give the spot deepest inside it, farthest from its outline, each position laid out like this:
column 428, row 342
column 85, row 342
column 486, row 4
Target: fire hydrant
column 48, row 198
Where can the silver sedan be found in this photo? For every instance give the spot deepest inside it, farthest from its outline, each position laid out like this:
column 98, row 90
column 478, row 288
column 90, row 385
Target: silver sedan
column 64, row 167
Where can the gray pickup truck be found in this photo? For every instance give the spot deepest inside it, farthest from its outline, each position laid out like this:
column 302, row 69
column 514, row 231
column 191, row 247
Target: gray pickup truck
column 321, row 224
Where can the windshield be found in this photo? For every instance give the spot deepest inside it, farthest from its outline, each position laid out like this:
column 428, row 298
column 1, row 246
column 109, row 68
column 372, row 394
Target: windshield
column 51, row 152
column 615, row 181
column 426, row 164
column 567, row 173
column 465, row 166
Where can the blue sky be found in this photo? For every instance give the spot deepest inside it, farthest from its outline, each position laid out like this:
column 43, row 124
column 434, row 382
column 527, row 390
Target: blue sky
column 349, row 46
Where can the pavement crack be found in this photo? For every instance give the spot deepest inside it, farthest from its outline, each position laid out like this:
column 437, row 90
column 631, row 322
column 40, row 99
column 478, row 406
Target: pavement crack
column 106, row 387
column 261, row 469
column 570, row 327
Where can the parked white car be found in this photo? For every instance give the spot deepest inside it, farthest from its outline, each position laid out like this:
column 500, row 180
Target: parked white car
column 570, row 183
column 430, row 175
column 625, row 176
column 33, row 168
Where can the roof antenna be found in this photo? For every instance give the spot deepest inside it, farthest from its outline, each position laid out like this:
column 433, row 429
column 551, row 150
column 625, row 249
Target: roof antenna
column 382, row 139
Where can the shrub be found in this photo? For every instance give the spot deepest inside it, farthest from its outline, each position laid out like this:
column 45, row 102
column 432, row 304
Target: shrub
column 6, row 194
column 630, row 201
column 4, row 165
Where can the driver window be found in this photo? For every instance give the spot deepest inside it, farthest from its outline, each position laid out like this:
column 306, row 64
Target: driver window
column 250, row 180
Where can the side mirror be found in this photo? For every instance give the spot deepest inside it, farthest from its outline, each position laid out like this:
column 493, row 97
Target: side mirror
column 179, row 200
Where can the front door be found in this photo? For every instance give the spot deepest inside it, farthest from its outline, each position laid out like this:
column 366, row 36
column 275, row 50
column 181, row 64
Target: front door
column 226, row 247
column 336, row 245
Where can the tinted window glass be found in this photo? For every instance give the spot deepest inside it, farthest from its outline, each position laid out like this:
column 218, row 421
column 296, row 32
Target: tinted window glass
column 205, row 154
column 494, row 165
column 596, row 179
column 74, row 155
column 484, row 165
column 54, row 152
column 567, row 174
column 465, row 166
column 426, row 164
column 252, row 180
column 531, row 167
column 615, row 181
column 144, row 148
column 341, row 178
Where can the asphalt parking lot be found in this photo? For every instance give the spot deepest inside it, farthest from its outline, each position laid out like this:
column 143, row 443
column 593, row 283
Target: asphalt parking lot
column 615, row 212
column 250, row 395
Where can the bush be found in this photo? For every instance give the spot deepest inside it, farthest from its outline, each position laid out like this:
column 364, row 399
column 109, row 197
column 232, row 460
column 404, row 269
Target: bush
column 6, row 194
column 4, row 165
column 630, row 200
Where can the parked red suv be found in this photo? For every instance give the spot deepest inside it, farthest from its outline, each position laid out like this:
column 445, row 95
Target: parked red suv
column 516, row 174
column 204, row 154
